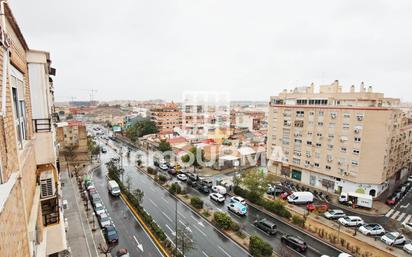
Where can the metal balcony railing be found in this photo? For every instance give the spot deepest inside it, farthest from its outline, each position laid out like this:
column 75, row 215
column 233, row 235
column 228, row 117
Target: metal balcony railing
column 42, row 125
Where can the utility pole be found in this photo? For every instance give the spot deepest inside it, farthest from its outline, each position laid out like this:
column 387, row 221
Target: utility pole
column 176, row 222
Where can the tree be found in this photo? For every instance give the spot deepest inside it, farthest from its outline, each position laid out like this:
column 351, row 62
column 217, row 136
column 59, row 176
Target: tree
column 139, row 195
column 69, row 116
column 141, row 128
column 175, row 189
column 69, row 155
column 105, row 249
column 223, row 220
column 259, row 248
column 164, row 146
column 185, row 242
column 198, row 155
column 256, row 183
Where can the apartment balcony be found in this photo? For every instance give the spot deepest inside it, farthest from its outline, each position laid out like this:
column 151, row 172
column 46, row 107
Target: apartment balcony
column 44, row 141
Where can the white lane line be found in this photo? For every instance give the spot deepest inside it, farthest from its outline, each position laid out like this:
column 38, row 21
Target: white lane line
column 167, row 217
column 224, row 251
column 389, row 212
column 152, row 189
column 153, row 203
column 164, row 199
column 201, row 232
column 407, row 218
column 401, row 216
column 205, row 254
column 171, row 230
column 395, row 215
column 181, row 214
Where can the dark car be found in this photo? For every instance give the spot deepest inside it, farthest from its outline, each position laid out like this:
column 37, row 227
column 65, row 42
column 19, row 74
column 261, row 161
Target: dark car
column 266, row 226
column 104, row 150
column 95, row 198
column 172, row 171
column 110, row 234
column 203, row 189
column 294, row 242
column 206, row 182
column 192, row 176
column 191, row 183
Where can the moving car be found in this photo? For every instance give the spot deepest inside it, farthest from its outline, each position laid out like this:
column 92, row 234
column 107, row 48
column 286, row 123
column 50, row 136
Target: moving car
column 237, row 208
column 408, row 248
column 300, row 197
column 393, row 238
column 217, row 197
column 181, row 177
column 104, row 220
column 351, row 221
column 113, row 188
column 266, row 226
column 334, row 214
column 99, row 209
column 372, row 230
column 237, row 199
column 294, row 242
column 219, row 189
column 110, row 234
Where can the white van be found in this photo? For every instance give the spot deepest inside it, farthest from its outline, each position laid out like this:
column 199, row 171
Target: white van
column 300, row 198
column 219, row 189
column 113, row 188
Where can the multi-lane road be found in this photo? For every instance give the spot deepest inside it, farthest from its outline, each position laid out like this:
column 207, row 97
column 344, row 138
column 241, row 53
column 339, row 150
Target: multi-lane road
column 207, row 239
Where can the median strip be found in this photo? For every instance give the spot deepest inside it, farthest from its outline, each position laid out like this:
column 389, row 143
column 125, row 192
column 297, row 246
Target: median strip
column 157, row 242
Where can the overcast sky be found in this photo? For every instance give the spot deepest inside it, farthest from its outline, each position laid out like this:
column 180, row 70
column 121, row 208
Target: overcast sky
column 134, row 49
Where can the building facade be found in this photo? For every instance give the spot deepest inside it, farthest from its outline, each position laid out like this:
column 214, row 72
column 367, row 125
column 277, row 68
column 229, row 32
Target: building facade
column 30, row 217
column 72, row 139
column 167, row 117
column 356, row 141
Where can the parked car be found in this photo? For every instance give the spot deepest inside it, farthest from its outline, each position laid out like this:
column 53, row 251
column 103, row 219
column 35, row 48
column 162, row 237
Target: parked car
column 351, row 221
column 113, row 188
column 334, row 214
column 217, row 197
column 219, row 189
column 172, row 171
column 284, row 195
column 274, row 190
column 104, row 220
column 393, row 238
column 237, row 208
column 206, row 182
column 110, row 234
column 192, row 176
column 95, row 199
column 104, row 150
column 181, row 177
column 408, row 248
column 345, row 255
column 294, row 242
column 410, row 178
column 99, row 209
column 393, row 199
column 323, row 207
column 123, row 252
column 372, row 230
column 408, row 226
column 304, row 197
column 191, row 183
column 266, row 226
column 163, row 167
column 237, row 199
column 203, row 189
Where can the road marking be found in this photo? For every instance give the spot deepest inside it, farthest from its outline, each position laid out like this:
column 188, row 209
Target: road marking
column 389, row 212
column 181, row 214
column 407, row 218
column 224, row 251
column 395, row 215
column 164, row 199
column 205, row 254
column 402, row 215
column 139, row 245
column 171, row 230
column 153, row 203
column 201, row 232
column 167, row 217
column 404, row 206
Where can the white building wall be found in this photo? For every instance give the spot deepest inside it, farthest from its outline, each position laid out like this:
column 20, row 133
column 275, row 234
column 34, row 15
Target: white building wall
column 39, row 91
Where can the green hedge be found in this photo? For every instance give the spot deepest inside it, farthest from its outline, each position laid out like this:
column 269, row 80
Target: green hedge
column 222, row 220
column 277, row 206
column 196, row 202
column 259, row 248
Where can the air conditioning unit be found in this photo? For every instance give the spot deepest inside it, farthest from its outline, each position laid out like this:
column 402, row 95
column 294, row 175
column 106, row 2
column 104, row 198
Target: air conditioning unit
column 47, row 185
column 357, row 130
column 333, row 115
column 359, row 117
column 346, row 173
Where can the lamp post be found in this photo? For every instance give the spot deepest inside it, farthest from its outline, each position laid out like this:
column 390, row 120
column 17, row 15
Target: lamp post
column 236, row 163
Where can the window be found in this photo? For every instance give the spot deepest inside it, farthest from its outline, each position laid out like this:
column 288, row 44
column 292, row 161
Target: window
column 343, row 149
column 346, row 115
column 296, row 161
column 317, row 155
column 328, row 167
column 332, row 125
column 357, row 139
column 355, row 163
column 333, row 115
column 316, row 165
column 330, row 147
column 330, row 137
column 300, row 114
column 318, row 144
column 309, row 142
column 320, row 113
column 299, row 123
column 320, row 123
column 19, row 105
column 345, row 125
column 356, row 151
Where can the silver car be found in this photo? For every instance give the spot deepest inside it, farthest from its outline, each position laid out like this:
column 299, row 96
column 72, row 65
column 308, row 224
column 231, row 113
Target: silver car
column 104, row 220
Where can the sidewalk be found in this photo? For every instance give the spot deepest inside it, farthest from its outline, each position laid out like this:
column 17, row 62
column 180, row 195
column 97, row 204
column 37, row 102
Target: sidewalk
column 81, row 239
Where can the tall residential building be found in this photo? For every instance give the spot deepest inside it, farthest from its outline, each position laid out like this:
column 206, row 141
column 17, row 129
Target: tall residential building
column 31, row 219
column 339, row 141
column 167, row 117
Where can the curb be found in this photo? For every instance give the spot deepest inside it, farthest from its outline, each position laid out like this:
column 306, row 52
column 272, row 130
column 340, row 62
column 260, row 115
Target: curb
column 159, row 245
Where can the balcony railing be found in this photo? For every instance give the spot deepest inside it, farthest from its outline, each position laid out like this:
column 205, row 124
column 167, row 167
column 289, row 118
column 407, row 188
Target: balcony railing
column 42, row 125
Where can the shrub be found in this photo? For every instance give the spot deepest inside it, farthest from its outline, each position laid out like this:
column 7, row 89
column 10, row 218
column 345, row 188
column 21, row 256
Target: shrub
column 298, row 220
column 162, row 179
column 235, row 226
column 259, row 248
column 206, row 213
column 196, row 202
column 222, row 220
column 175, row 189
column 151, row 171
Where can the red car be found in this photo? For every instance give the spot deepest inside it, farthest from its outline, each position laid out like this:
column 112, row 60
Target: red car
column 392, row 200
column 317, row 207
column 284, row 195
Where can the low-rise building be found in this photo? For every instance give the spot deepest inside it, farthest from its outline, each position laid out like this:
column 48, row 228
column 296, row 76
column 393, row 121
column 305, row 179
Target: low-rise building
column 339, row 141
column 72, row 139
column 167, row 117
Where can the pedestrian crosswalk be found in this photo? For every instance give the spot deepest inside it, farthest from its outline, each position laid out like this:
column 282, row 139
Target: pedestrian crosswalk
column 399, row 216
